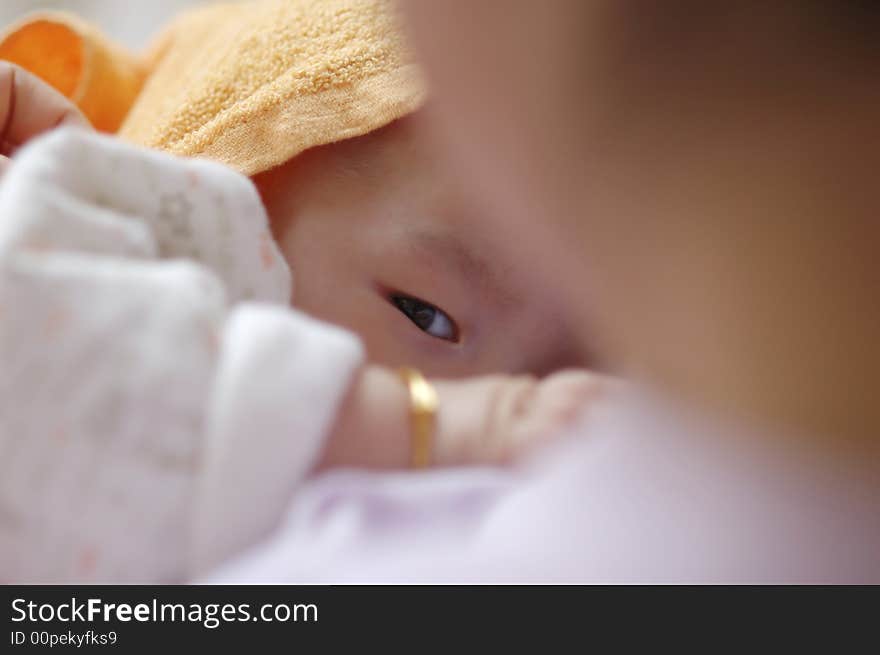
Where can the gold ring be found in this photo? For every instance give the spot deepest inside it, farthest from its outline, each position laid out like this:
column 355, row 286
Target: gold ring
column 422, row 415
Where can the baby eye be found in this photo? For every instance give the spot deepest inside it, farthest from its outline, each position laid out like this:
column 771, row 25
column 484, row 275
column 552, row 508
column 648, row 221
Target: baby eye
column 427, row 318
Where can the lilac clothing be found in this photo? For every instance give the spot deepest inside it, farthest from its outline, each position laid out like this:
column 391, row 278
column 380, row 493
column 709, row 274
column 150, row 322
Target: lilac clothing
column 640, row 495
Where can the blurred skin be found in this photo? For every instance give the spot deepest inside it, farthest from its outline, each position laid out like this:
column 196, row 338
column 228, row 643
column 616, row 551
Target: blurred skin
column 369, row 220
column 703, row 175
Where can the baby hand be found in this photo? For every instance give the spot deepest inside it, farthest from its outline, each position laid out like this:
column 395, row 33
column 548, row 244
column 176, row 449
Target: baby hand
column 492, row 420
column 485, row 420
column 29, row 107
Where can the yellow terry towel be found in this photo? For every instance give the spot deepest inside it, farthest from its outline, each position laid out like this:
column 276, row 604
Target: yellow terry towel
column 249, row 84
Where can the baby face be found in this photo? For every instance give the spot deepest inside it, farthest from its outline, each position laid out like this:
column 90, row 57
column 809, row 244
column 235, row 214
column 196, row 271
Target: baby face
column 381, row 242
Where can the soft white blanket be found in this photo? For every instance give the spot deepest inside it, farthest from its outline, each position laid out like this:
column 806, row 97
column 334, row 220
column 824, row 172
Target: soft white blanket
column 158, row 399
column 151, row 425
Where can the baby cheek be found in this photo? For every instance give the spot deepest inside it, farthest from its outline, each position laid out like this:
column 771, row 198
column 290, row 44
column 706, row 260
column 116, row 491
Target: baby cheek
column 267, row 253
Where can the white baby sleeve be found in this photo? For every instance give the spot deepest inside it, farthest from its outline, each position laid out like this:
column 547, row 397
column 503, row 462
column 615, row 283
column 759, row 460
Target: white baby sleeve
column 122, row 201
column 129, row 399
column 276, row 392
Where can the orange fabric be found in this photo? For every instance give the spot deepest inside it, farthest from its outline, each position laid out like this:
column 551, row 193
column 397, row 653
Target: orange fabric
column 248, row 84
column 100, row 77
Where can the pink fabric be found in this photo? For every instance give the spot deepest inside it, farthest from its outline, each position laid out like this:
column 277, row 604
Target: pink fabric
column 644, row 495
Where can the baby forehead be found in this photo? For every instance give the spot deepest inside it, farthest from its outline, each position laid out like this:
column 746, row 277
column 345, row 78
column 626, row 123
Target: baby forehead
column 417, row 207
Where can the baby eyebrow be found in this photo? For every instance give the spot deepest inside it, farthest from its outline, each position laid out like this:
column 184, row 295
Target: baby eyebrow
column 464, row 257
